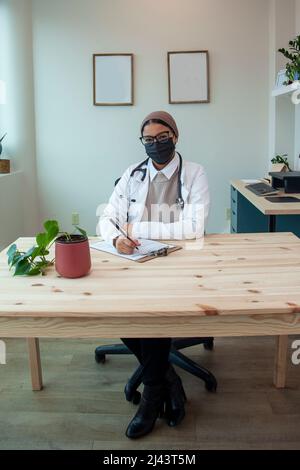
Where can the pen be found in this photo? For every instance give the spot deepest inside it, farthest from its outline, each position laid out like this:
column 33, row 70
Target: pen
column 122, row 231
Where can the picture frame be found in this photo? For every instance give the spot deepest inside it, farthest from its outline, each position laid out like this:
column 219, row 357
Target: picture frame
column 188, row 77
column 281, row 78
column 113, row 79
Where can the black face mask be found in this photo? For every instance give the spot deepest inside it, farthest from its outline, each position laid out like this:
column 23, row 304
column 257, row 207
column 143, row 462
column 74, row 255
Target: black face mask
column 160, row 152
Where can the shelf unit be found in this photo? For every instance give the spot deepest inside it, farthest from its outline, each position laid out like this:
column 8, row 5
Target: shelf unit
column 285, row 123
column 286, row 89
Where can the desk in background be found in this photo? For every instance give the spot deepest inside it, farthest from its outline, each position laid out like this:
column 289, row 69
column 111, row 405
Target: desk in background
column 237, row 285
column 253, row 214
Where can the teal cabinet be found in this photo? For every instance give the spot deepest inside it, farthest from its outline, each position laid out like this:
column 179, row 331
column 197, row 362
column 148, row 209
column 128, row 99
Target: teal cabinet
column 288, row 223
column 246, row 218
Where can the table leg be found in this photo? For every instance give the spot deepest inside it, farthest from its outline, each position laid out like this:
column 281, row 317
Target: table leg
column 35, row 363
column 280, row 361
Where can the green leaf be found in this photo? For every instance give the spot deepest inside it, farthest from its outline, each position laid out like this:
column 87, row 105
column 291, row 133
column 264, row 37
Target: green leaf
column 27, row 254
column 44, row 252
column 43, row 264
column 31, row 251
column 34, row 271
column 16, row 258
column 52, row 230
column 36, row 252
column 49, row 224
column 22, row 267
column 32, row 261
column 83, row 232
column 11, row 252
column 42, row 239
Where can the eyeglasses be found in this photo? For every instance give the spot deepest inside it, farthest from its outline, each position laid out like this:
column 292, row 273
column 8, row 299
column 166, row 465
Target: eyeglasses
column 161, row 137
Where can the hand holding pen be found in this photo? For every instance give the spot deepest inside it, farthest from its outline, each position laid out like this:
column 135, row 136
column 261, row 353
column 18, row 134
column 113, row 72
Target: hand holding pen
column 125, row 244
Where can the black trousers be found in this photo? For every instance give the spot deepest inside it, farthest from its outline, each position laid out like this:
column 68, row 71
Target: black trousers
column 153, row 355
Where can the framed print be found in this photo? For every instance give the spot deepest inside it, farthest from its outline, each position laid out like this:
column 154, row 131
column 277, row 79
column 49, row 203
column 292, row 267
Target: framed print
column 113, row 79
column 188, row 77
column 281, row 78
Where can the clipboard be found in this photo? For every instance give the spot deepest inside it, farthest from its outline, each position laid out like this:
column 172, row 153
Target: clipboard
column 162, row 250
column 159, row 253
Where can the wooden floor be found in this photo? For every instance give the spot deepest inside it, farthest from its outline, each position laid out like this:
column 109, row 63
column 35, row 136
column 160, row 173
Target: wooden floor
column 83, row 407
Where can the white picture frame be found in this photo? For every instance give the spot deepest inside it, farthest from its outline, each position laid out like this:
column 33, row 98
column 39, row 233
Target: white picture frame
column 188, row 77
column 113, row 79
column 281, row 78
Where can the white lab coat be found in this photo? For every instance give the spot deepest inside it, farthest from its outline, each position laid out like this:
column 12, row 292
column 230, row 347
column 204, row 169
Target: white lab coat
column 127, row 204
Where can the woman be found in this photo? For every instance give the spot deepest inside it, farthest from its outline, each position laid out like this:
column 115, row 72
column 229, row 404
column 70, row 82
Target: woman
column 163, row 197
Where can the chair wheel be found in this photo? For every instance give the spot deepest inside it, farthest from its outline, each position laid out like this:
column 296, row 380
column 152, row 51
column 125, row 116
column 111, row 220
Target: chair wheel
column 100, row 358
column 211, row 386
column 209, row 345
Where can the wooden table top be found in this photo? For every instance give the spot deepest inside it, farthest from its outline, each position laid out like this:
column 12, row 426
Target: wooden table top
column 267, row 207
column 232, row 274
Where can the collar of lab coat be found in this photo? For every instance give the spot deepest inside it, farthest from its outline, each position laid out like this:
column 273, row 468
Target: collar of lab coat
column 140, row 188
column 168, row 170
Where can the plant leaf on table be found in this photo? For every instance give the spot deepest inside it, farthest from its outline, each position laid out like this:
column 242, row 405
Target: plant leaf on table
column 33, row 261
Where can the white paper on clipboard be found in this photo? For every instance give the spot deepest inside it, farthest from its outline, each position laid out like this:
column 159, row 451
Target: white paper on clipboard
column 145, row 249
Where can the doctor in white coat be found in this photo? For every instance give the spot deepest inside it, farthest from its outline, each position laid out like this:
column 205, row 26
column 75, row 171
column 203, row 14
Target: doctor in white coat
column 162, row 197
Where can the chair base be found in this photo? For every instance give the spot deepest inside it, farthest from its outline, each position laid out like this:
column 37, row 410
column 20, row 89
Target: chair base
column 175, row 357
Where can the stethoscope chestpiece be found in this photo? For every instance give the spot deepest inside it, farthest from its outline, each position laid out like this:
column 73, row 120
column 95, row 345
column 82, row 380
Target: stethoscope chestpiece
column 180, row 202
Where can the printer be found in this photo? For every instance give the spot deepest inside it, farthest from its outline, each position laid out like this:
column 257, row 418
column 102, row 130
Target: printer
column 288, row 181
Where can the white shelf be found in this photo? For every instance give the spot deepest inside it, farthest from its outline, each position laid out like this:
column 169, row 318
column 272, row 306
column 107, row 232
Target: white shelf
column 286, row 89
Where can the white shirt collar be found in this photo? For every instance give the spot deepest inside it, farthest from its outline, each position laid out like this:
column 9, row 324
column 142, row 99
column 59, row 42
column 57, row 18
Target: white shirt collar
column 168, row 170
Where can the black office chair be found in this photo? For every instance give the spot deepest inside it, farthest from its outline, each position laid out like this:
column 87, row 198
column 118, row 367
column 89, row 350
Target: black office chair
column 175, row 357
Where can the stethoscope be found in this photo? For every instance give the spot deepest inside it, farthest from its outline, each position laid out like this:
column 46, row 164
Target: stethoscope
column 179, row 199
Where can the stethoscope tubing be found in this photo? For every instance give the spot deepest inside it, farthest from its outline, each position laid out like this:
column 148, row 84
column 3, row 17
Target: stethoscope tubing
column 179, row 199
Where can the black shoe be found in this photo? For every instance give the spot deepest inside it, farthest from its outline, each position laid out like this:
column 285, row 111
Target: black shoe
column 176, row 398
column 151, row 406
column 131, row 394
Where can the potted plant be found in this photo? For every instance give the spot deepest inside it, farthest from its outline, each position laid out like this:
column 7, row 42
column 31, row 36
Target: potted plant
column 293, row 54
column 4, row 162
column 280, row 163
column 72, row 253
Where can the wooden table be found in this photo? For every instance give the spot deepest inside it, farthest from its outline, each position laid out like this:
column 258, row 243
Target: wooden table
column 237, row 285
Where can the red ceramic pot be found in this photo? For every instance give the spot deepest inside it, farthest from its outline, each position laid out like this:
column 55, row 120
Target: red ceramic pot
column 72, row 257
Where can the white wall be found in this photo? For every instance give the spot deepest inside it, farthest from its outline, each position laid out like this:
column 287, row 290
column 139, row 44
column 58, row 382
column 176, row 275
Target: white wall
column 11, row 207
column 297, row 16
column 17, row 118
column 81, row 149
